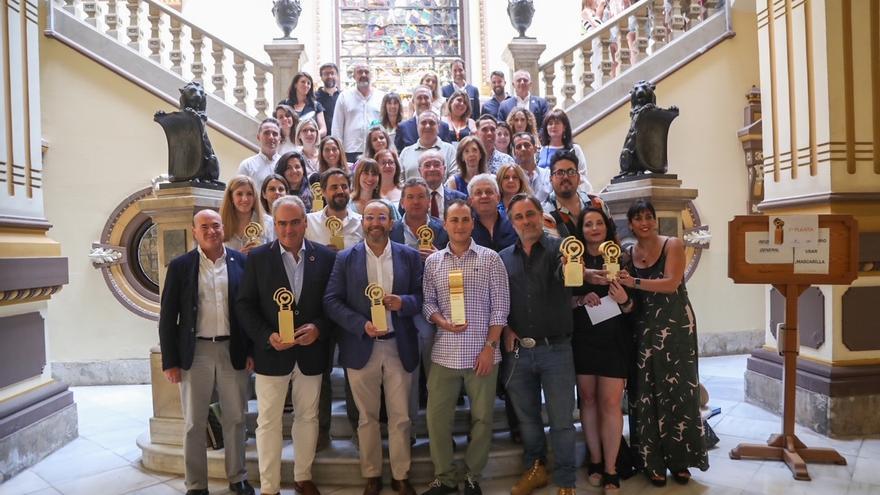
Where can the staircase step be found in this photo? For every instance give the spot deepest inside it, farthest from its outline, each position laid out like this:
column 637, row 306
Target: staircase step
column 339, row 465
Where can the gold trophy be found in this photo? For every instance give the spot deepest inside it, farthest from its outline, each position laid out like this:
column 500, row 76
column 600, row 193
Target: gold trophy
column 573, row 249
column 335, row 226
column 426, row 237
column 456, row 296
column 284, row 298
column 317, row 196
column 253, row 232
column 375, row 293
column 611, row 252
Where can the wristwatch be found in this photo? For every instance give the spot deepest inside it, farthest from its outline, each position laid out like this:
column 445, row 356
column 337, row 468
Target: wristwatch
column 492, row 344
column 638, row 282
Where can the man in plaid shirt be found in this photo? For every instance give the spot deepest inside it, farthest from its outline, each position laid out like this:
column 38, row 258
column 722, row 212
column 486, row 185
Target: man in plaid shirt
column 465, row 353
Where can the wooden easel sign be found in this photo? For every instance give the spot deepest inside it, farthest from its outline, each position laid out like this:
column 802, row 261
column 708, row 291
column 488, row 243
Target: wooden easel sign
column 791, row 252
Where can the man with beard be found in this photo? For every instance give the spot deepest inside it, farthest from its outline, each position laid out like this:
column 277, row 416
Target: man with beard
column 491, row 229
column 329, row 93
column 564, row 204
column 408, row 130
column 525, row 149
column 379, row 355
column 499, row 94
column 262, row 165
column 205, row 348
column 486, row 127
column 335, row 185
column 355, row 112
column 429, row 123
column 538, row 334
column 459, row 83
column 302, row 267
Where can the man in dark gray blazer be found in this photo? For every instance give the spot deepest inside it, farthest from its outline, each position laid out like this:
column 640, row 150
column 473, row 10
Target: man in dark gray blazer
column 204, row 348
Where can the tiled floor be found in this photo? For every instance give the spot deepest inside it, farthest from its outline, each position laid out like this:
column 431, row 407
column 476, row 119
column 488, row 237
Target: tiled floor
column 105, row 460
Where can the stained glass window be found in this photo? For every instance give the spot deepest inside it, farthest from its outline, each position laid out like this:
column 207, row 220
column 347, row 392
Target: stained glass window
column 400, row 39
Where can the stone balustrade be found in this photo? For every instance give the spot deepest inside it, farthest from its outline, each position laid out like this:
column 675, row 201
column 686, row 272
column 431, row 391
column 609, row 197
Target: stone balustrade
column 588, row 65
column 161, row 34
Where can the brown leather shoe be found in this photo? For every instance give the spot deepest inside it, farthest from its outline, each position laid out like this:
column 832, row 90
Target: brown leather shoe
column 402, row 487
column 306, row 488
column 536, row 477
column 374, row 486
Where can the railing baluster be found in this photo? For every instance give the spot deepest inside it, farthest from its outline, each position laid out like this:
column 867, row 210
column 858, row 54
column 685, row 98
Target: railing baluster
column 239, row 91
column 606, row 64
column 176, row 56
column 112, row 20
column 641, row 35
column 568, row 88
column 90, row 7
column 218, row 79
column 694, row 13
column 712, row 6
column 658, row 27
column 677, row 22
column 70, row 6
column 154, row 43
column 260, row 103
column 134, row 29
column 623, row 55
column 549, row 92
column 588, row 77
column 197, row 67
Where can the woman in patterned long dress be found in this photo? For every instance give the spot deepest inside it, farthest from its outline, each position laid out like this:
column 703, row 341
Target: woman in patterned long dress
column 665, row 407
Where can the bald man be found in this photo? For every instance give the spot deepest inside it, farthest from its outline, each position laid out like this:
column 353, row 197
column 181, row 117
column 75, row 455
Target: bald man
column 204, row 348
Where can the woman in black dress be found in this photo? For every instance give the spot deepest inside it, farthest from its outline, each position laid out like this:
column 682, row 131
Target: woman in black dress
column 602, row 353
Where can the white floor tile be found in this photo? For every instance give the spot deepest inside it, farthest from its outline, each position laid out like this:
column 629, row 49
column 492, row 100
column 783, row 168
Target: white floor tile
column 122, row 480
column 867, row 470
column 23, row 483
column 59, row 470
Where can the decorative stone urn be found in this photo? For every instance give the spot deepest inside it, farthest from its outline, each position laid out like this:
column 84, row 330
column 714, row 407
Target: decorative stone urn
column 286, row 14
column 521, row 13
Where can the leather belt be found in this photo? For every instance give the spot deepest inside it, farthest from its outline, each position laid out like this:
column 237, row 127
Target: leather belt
column 221, row 338
column 387, row 336
column 529, row 342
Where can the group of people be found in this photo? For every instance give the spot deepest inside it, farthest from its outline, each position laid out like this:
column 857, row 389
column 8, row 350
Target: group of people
column 331, row 234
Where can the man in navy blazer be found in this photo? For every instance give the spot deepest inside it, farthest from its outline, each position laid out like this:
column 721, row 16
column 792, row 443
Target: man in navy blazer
column 203, row 348
column 522, row 82
column 303, row 267
column 459, row 82
column 379, row 358
column 408, row 131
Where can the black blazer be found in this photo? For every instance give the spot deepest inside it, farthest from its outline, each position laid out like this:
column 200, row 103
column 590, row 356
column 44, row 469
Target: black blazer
column 259, row 313
column 408, row 133
column 537, row 105
column 441, row 238
column 180, row 306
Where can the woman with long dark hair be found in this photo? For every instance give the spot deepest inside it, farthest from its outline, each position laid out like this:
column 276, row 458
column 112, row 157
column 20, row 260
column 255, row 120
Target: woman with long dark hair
column 665, row 426
column 288, row 120
column 292, row 166
column 301, row 97
column 274, row 186
column 391, row 115
column 556, row 136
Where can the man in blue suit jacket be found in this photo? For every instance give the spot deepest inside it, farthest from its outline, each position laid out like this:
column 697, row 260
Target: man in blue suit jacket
column 302, row 267
column 459, row 82
column 522, row 82
column 408, row 130
column 203, row 348
column 379, row 358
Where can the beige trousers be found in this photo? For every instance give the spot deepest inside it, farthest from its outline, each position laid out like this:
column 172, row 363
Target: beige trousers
column 271, row 392
column 383, row 368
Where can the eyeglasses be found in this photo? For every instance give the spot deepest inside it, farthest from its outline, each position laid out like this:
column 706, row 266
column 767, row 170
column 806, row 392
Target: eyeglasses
column 565, row 173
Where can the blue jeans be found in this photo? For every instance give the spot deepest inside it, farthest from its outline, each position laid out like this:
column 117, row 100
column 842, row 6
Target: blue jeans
column 551, row 368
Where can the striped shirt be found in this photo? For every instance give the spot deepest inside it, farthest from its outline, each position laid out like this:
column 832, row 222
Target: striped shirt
column 486, row 302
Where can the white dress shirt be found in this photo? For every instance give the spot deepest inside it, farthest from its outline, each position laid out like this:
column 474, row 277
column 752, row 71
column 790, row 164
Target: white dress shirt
column 539, row 181
column 524, row 102
column 258, row 167
column 409, row 158
column 380, row 270
column 294, row 268
column 212, row 317
column 353, row 115
column 441, row 200
column 316, row 231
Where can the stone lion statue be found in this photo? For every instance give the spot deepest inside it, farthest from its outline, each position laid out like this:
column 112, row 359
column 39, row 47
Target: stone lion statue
column 644, row 149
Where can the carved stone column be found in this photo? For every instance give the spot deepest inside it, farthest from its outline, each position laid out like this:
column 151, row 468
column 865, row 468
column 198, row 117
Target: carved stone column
column 523, row 54
column 287, row 57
